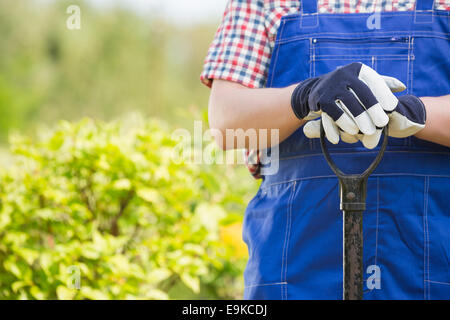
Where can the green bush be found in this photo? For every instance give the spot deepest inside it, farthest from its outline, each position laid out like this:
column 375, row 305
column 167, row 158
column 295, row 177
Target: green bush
column 106, row 201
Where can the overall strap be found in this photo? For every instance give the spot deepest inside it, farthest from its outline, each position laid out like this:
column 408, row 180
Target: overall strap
column 309, row 14
column 424, row 11
column 425, row 5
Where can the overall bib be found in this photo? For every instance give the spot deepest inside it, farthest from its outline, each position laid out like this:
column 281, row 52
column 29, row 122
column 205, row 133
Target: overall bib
column 293, row 226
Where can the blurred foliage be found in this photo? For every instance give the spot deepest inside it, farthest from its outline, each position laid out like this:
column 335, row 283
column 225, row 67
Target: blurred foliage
column 107, row 199
column 118, row 61
column 102, row 197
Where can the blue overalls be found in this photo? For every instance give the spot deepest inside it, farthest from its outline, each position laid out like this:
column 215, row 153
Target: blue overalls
column 293, row 226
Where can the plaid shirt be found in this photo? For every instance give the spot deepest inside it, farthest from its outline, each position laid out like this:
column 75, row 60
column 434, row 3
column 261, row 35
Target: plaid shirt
column 243, row 44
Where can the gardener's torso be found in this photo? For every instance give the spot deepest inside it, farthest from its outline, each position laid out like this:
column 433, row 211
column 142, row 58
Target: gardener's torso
column 293, row 226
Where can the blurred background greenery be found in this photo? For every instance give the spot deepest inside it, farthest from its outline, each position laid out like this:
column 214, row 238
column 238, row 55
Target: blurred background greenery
column 87, row 184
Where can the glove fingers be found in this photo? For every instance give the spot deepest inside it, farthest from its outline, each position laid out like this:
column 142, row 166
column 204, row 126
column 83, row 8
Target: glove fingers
column 312, row 129
column 394, row 84
column 378, row 116
column 371, row 141
column 362, row 92
column 330, row 128
column 347, row 124
column 350, row 104
column 312, row 115
column 379, row 88
column 348, row 138
column 342, row 117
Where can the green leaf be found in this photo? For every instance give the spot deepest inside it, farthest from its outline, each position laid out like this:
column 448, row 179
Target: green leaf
column 191, row 282
column 18, row 285
column 122, row 184
column 209, row 216
column 64, row 293
column 5, row 219
column 13, row 268
column 155, row 294
column 37, row 293
column 157, row 275
column 90, row 252
column 93, row 294
column 149, row 195
column 28, row 255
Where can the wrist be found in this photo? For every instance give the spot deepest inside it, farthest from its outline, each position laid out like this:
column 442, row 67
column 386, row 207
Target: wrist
column 408, row 118
column 416, row 106
column 420, row 133
column 299, row 98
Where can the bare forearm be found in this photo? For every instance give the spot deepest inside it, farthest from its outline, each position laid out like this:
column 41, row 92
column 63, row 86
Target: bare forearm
column 437, row 126
column 233, row 106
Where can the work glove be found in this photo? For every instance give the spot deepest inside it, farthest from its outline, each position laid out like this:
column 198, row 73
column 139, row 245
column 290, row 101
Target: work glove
column 351, row 99
column 405, row 120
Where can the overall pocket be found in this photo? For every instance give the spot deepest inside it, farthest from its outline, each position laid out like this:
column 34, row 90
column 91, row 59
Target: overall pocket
column 388, row 55
column 266, row 232
column 436, row 220
column 413, row 238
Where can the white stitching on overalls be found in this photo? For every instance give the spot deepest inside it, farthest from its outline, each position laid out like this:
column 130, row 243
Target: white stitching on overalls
column 425, row 237
column 296, row 16
column 312, row 72
column 264, row 284
column 367, row 47
column 412, row 71
column 408, row 69
column 428, row 237
column 277, row 51
column 367, row 290
column 411, row 87
column 438, row 282
column 373, row 175
column 286, row 242
column 407, row 140
column 432, row 34
column 356, row 152
column 376, row 228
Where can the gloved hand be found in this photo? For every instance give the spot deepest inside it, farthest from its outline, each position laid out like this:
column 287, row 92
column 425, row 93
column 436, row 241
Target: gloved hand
column 351, row 99
column 405, row 120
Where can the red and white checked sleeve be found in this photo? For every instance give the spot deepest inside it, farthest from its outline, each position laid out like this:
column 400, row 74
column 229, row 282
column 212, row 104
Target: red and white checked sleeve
column 241, row 50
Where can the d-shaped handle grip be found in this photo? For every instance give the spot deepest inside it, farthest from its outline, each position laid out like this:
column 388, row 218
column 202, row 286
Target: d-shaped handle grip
column 353, row 186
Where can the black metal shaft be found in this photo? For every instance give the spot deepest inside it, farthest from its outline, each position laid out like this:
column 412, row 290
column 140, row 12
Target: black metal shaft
column 352, row 253
column 353, row 192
